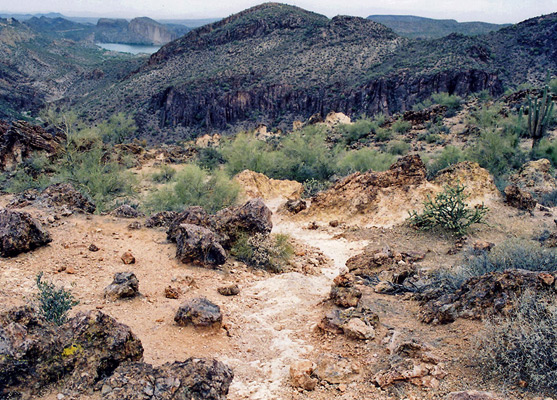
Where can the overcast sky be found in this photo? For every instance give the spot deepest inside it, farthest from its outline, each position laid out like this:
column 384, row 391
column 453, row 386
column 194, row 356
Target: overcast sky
column 499, row 11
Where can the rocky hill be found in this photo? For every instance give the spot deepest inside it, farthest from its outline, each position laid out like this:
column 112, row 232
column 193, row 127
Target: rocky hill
column 276, row 63
column 415, row 27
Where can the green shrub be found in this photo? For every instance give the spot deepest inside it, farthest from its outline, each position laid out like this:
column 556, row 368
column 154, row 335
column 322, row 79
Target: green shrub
column 383, row 135
column 398, row 147
column 54, row 303
column 193, row 186
column 496, row 152
column 546, row 149
column 270, row 252
column 118, row 128
column 450, row 155
column 522, row 346
column 246, row 152
column 364, row 160
column 449, row 211
column 401, row 126
column 357, row 130
column 451, row 101
column 486, row 116
column 209, row 158
column 164, row 174
column 313, row 186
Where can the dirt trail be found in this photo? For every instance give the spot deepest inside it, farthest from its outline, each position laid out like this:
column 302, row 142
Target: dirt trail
column 282, row 318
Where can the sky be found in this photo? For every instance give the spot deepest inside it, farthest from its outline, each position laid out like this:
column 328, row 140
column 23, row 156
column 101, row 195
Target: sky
column 497, row 11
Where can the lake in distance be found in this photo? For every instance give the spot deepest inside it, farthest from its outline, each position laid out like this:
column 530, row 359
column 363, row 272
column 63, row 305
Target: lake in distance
column 129, row 48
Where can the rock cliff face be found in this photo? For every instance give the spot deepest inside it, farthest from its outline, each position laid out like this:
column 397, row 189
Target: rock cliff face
column 274, row 63
column 138, row 31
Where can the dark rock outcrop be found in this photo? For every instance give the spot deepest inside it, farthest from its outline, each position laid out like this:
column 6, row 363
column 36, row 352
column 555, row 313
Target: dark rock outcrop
column 518, row 198
column 21, row 139
column 193, row 379
column 482, row 296
column 199, row 312
column 161, row 219
column 19, row 233
column 86, row 349
column 124, row 285
column 194, row 215
column 126, row 211
column 195, row 243
column 64, row 194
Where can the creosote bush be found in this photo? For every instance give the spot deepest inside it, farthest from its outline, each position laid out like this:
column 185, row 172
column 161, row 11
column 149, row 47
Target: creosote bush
column 193, row 186
column 164, row 174
column 54, row 303
column 449, row 211
column 269, row 252
column 522, row 346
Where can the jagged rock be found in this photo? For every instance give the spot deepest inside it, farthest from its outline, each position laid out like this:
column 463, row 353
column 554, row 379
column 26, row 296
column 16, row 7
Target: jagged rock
column 335, row 320
column 22, row 139
column 197, row 244
column 126, row 211
column 301, row 375
column 192, row 215
column 172, row 292
column 358, row 192
column 257, row 185
column 161, row 219
column 483, row 295
column 64, row 194
column 93, row 247
column 124, row 285
column 535, row 177
column 193, row 379
column 391, row 267
column 515, row 197
column 19, row 233
column 423, row 116
column 478, row 182
column 334, row 118
column 251, row 218
column 35, row 353
column 128, row 258
column 473, row 395
column 355, row 328
column 135, row 225
column 345, row 296
column 199, row 312
column 336, row 369
column 295, row 206
column 231, row 290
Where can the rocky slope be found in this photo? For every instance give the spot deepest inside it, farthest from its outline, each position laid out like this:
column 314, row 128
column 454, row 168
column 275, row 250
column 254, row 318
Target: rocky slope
column 137, row 31
column 276, row 63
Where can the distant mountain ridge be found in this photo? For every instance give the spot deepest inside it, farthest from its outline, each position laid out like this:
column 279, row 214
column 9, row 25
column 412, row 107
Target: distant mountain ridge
column 275, row 63
column 428, row 28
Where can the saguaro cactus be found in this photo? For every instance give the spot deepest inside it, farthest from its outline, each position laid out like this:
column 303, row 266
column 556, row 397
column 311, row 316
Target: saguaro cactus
column 539, row 114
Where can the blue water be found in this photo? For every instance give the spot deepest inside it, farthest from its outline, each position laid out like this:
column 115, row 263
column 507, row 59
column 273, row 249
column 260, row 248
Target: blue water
column 129, row 48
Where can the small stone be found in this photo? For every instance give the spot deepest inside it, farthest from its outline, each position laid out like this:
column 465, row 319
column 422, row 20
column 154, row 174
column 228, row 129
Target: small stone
column 172, row 293
column 124, row 285
column 345, row 296
column 546, row 279
column 301, row 375
column 70, row 270
column 128, row 258
column 93, row 247
column 135, row 225
column 231, row 290
column 355, row 328
column 334, row 223
column 336, row 369
column 199, row 312
column 482, row 245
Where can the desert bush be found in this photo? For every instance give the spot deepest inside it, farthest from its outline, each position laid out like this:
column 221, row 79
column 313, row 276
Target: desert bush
column 313, row 186
column 53, row 303
column 269, row 252
column 485, row 116
column 246, row 152
column 522, row 346
column 401, row 126
column 364, row 160
column 164, row 174
column 449, row 211
column 193, row 186
column 209, row 158
column 497, row 152
column 117, row 128
column 398, row 147
column 451, row 101
column 357, row 130
column 546, row 149
column 511, row 254
column 450, row 155
column 549, row 199
column 383, row 135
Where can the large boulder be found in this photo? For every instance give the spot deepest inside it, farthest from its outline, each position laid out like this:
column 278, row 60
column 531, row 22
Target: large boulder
column 19, row 233
column 535, row 177
column 483, row 295
column 65, row 195
column 86, row 349
column 161, row 219
column 251, row 218
column 126, row 211
column 21, row 140
column 198, row 244
column 257, row 185
column 193, row 379
column 199, row 312
column 124, row 285
column 194, row 215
